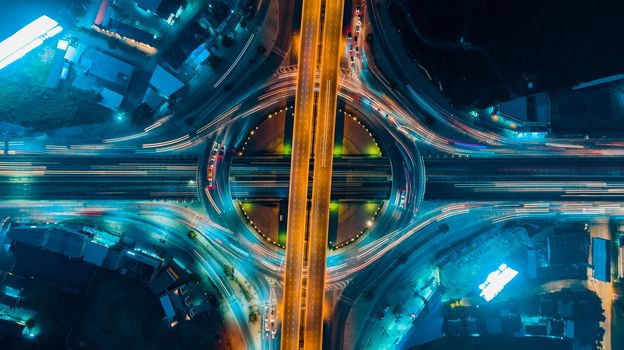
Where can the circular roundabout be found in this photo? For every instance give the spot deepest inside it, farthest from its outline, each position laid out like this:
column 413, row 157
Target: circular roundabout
column 252, row 173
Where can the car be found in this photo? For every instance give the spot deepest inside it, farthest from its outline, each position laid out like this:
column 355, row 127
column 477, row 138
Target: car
column 210, row 185
column 352, row 59
column 355, row 39
column 357, row 9
column 402, row 200
column 357, row 49
column 381, row 315
column 357, row 28
column 273, row 334
column 349, row 35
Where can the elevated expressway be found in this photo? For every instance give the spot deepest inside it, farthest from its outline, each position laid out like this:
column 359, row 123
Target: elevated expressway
column 322, row 180
column 298, row 189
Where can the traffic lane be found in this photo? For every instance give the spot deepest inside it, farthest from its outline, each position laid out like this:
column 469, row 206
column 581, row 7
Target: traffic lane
column 301, row 151
column 111, row 189
column 526, row 166
column 322, row 182
column 364, row 190
column 525, row 190
column 525, row 179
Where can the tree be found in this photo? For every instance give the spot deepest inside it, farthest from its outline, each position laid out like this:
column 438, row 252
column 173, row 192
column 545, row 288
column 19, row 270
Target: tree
column 228, row 270
column 195, row 278
column 444, row 228
column 141, row 114
column 403, row 258
column 30, row 323
column 214, row 61
column 227, row 41
column 192, row 234
column 253, row 317
column 260, row 50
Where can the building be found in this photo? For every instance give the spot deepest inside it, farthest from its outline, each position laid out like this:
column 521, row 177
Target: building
column 110, row 70
column 566, row 256
column 26, row 39
column 65, row 242
column 194, row 35
column 174, row 274
column 31, row 235
column 139, row 265
column 168, row 10
column 161, row 86
column 110, row 99
column 131, row 32
column 217, row 16
column 56, row 68
column 601, row 259
column 176, row 305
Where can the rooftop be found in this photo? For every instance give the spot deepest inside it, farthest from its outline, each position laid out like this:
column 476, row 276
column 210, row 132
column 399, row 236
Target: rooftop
column 110, row 69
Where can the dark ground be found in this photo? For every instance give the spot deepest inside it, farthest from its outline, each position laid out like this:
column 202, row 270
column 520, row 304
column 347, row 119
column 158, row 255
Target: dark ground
column 551, row 43
column 103, row 309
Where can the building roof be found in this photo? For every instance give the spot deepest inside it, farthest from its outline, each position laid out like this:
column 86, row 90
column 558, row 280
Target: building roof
column 164, row 82
column 536, row 329
column 569, row 248
column 110, row 99
column 111, row 69
column 163, row 281
column 131, row 32
column 140, row 266
column 56, row 67
column 31, row 235
column 493, row 325
column 601, row 259
column 101, row 14
column 64, row 242
column 169, row 7
column 167, row 306
column 153, row 99
column 150, row 5
column 95, row 253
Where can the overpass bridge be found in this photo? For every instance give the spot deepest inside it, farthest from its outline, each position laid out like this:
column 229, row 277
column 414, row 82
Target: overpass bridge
column 354, row 178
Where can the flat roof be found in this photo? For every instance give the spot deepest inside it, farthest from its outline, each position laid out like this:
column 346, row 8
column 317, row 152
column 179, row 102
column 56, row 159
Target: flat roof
column 111, row 69
column 151, row 5
column 165, row 82
column 110, row 99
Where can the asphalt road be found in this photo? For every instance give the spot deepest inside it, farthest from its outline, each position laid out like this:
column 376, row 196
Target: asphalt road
column 585, row 179
column 97, row 178
column 322, row 180
column 298, row 190
column 258, row 178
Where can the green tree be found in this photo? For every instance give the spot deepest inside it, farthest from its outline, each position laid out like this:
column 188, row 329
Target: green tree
column 192, row 234
column 214, row 62
column 227, row 41
column 30, row 323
